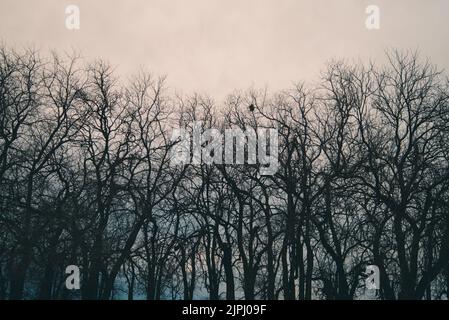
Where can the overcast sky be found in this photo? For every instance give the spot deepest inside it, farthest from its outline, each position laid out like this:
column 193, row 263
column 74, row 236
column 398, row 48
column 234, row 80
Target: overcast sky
column 215, row 46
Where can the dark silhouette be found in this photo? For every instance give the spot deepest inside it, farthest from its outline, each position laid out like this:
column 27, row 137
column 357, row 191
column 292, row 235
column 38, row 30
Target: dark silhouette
column 86, row 180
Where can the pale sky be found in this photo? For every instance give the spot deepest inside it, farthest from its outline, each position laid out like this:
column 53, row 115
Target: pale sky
column 216, row 46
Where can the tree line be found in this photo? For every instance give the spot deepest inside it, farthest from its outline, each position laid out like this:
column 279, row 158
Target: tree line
column 86, row 180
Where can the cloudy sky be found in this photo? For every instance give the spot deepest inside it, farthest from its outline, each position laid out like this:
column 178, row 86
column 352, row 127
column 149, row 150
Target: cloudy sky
column 215, row 46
